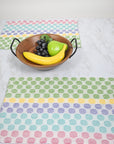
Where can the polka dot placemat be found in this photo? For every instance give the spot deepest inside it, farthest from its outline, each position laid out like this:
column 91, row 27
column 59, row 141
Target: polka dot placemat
column 6, row 40
column 22, row 29
column 58, row 110
column 40, row 26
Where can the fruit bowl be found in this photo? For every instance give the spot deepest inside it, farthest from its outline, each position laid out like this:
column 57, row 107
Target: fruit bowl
column 29, row 45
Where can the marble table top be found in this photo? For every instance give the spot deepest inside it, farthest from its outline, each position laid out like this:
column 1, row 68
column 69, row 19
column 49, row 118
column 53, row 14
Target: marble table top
column 95, row 58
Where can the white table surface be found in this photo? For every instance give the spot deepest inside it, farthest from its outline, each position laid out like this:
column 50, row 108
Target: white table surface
column 95, row 58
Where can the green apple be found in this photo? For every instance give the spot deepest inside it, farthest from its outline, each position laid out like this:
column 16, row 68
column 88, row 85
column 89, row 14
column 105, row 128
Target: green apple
column 55, row 47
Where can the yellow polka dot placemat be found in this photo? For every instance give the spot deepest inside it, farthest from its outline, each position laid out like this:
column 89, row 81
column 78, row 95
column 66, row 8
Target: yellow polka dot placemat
column 58, row 110
column 22, row 29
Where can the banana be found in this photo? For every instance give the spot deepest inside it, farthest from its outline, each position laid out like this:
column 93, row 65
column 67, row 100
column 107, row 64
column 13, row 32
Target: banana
column 45, row 60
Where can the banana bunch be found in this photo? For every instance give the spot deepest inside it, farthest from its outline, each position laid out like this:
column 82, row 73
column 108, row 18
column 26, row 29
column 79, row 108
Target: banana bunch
column 45, row 60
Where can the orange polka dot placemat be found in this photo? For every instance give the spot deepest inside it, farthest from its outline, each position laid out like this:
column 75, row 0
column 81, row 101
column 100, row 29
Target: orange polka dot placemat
column 58, row 110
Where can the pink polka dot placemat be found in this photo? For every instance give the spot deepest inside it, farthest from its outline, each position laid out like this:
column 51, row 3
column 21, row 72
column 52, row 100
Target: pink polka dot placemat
column 58, row 110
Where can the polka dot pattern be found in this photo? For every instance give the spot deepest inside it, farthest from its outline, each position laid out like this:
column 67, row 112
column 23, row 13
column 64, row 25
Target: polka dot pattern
column 54, row 110
column 61, row 107
column 40, row 27
column 55, row 137
column 65, row 87
column 26, row 29
column 65, row 122
column 5, row 40
column 57, row 99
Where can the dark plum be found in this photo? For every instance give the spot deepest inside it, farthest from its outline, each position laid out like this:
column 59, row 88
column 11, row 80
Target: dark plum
column 39, row 53
column 39, row 42
column 45, row 51
column 41, row 49
column 42, row 40
column 43, row 54
column 38, row 47
column 44, row 45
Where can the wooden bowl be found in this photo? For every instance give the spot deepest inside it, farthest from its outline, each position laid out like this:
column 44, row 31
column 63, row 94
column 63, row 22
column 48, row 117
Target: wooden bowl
column 29, row 44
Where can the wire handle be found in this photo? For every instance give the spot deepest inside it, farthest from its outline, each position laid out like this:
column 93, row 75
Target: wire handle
column 12, row 45
column 74, row 39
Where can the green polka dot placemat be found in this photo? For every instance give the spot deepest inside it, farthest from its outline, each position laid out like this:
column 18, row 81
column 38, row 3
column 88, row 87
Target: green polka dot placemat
column 58, row 110
column 5, row 41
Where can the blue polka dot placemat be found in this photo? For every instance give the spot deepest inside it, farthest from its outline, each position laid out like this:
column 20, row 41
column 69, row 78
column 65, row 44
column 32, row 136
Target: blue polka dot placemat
column 58, row 110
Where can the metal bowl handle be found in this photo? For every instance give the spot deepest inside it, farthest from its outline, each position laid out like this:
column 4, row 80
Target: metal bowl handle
column 74, row 39
column 12, row 45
